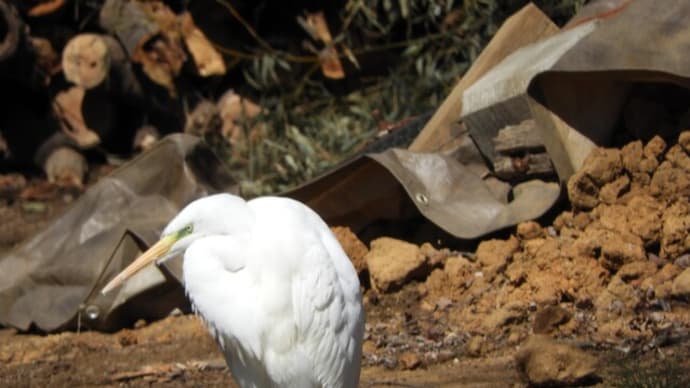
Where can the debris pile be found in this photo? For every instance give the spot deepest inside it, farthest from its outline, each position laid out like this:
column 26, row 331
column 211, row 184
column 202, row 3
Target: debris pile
column 612, row 273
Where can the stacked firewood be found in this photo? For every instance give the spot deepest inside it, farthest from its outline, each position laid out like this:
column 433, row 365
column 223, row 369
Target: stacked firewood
column 106, row 78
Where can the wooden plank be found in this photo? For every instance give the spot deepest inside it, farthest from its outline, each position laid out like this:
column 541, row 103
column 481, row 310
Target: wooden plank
column 523, row 168
column 524, row 27
column 518, row 139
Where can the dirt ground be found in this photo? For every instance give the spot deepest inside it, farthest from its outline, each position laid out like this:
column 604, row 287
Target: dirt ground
column 609, row 279
column 177, row 352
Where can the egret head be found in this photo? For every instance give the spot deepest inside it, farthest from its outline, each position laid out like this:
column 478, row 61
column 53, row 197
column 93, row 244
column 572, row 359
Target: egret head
column 212, row 215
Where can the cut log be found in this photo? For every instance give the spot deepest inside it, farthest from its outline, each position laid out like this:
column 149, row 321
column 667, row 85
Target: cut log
column 86, row 60
column 150, row 34
column 203, row 119
column 208, row 61
column 145, row 137
column 128, row 21
column 66, row 167
column 90, row 59
column 47, row 59
column 11, row 30
column 68, row 108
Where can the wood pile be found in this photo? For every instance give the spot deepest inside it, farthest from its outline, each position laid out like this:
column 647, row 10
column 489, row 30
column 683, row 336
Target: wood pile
column 107, row 77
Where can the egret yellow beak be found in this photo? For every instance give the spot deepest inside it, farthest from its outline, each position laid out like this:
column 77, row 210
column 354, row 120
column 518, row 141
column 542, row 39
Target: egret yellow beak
column 156, row 251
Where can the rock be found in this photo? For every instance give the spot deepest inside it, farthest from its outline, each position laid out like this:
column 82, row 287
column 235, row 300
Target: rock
column 648, row 166
column 475, row 346
column 682, row 261
column 392, row 263
column 456, row 276
column 435, row 257
column 493, row 255
column 681, row 284
column 409, row 360
column 127, row 338
column 613, row 247
column 458, row 267
column 563, row 220
column 529, row 230
column 684, row 140
column 618, row 299
column 610, row 192
column 674, row 233
column 583, row 192
column 66, row 167
column 636, row 270
column 501, row 317
column 654, row 148
column 640, row 181
column 543, row 362
column 644, row 218
column 641, row 217
column 353, row 247
column 669, row 181
column 679, row 158
column 603, row 165
column 547, row 286
column 549, row 318
column 581, row 220
column 631, row 154
column 661, row 283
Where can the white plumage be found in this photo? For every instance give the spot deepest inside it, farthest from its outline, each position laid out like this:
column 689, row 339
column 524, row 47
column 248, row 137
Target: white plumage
column 274, row 285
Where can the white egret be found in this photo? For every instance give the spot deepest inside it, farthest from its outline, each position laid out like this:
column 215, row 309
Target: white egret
column 274, row 286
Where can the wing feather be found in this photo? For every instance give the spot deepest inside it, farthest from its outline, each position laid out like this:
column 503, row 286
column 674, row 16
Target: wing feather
column 329, row 319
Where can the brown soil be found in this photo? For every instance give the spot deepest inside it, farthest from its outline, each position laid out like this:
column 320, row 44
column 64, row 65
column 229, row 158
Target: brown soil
column 609, row 277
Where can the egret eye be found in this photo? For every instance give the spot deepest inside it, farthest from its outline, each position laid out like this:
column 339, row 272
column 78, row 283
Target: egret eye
column 185, row 231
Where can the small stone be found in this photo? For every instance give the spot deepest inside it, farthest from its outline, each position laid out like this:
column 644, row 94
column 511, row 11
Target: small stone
column 353, row 247
column 636, row 270
column 494, row 255
column 603, row 165
column 548, row 318
column 392, row 263
column 674, row 231
column 679, row 158
column 669, row 181
column 409, row 360
column 655, row 148
column 501, row 317
column 583, row 192
column 529, row 230
column 127, row 338
column 435, row 257
column 611, row 191
column 443, row 303
column 514, row 338
column 631, row 155
column 581, row 220
column 475, row 346
column 681, row 284
column 544, row 362
column 684, row 140
column 682, row 261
